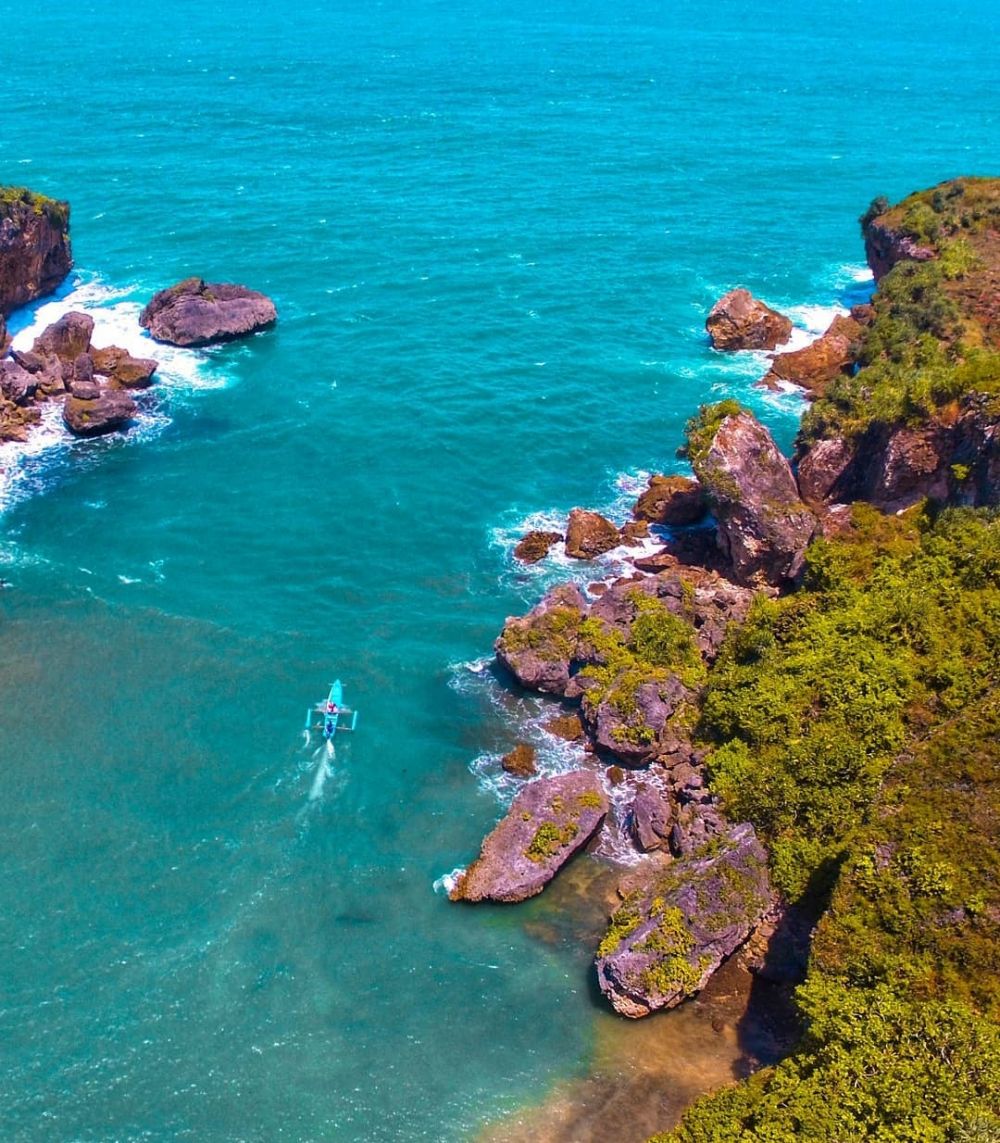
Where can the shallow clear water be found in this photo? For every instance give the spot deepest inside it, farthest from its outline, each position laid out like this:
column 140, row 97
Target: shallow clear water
column 493, row 234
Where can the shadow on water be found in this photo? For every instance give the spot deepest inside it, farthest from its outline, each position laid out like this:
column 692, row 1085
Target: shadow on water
column 643, row 1074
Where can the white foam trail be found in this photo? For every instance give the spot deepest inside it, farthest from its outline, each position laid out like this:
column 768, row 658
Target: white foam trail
column 323, row 771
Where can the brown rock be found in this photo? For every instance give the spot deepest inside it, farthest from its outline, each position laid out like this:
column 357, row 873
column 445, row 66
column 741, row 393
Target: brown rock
column 549, row 821
column 195, row 312
column 539, row 647
column 634, row 532
column 589, row 534
column 671, row 500
column 822, row 469
column 815, row 366
column 66, row 338
column 91, row 417
column 520, row 761
column 762, row 525
column 649, row 820
column 35, row 253
column 124, row 370
column 739, row 321
column 565, row 726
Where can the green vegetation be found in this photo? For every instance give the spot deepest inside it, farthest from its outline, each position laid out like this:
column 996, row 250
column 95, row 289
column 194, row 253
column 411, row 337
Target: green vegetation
column 552, row 635
column 549, row 839
column 934, row 336
column 700, row 430
column 659, row 644
column 856, row 723
column 589, row 800
column 624, row 921
column 57, row 212
column 896, row 627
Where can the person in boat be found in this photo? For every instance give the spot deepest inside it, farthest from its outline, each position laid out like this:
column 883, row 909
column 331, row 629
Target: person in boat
column 331, row 708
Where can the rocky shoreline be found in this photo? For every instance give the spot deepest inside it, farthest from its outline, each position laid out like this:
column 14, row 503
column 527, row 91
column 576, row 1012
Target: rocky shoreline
column 631, row 657
column 93, row 385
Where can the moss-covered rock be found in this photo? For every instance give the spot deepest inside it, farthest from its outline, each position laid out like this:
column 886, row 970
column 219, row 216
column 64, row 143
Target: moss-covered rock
column 666, row 939
column 549, row 821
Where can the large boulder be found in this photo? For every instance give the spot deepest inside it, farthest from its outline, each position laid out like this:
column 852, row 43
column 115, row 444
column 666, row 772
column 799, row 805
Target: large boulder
column 534, row 546
column 650, row 819
column 539, row 648
column 631, row 719
column 35, row 253
column 66, row 338
column 667, row 938
column 589, row 534
column 549, row 821
column 738, row 320
column 96, row 411
column 671, row 500
column 195, row 312
column 124, row 370
column 763, row 526
column 820, row 363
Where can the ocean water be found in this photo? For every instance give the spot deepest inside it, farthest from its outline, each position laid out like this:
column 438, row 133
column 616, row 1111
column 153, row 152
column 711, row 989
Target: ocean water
column 493, row 232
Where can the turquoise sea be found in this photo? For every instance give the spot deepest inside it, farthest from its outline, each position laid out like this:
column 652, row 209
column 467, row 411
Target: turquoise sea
column 493, row 231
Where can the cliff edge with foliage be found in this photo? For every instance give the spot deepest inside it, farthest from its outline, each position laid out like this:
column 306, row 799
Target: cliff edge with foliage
column 854, row 721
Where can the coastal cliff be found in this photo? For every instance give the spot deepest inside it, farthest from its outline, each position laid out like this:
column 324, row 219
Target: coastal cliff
column 848, row 684
column 35, row 254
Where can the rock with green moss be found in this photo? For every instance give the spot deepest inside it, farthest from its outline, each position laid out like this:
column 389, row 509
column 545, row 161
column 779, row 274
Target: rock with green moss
column 539, row 648
column 763, row 526
column 35, row 253
column 674, row 501
column 666, row 939
column 550, row 820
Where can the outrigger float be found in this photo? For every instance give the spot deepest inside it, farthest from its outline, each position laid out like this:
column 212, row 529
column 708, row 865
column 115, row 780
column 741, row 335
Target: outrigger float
column 333, row 715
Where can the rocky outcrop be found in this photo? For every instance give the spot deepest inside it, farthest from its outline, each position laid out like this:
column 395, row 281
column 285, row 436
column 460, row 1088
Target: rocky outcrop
column 818, row 364
column 589, row 534
column 535, row 546
column 763, row 525
column 35, row 253
column 90, row 411
column 953, row 458
column 195, row 312
column 549, row 821
column 674, row 501
column 739, row 321
column 667, row 938
column 650, row 818
column 539, row 648
column 124, row 370
column 885, row 245
column 66, row 338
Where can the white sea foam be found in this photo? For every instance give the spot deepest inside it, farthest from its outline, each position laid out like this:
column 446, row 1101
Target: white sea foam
column 447, row 881
column 26, row 468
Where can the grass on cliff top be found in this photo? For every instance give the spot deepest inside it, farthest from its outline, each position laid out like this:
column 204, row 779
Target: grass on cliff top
column 935, row 332
column 700, row 430
column 903, row 995
column 859, row 723
column 57, row 212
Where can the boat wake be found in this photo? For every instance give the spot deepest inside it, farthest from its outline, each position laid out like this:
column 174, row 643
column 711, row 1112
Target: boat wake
column 326, row 754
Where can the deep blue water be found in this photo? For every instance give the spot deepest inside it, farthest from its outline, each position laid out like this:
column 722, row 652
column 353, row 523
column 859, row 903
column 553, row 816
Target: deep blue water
column 493, row 232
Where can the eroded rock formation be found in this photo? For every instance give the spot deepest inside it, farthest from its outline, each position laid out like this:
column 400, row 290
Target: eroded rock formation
column 195, row 312
column 739, row 321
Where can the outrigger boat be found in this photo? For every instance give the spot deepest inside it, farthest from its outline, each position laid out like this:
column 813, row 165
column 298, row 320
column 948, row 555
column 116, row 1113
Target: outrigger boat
column 333, row 715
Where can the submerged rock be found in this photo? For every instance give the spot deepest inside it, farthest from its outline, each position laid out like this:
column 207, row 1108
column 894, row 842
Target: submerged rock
column 520, row 761
column 550, row 820
column 195, row 312
column 667, row 938
column 739, row 321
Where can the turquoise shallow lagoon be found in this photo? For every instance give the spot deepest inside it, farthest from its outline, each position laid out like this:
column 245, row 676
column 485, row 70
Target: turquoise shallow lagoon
column 493, row 232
